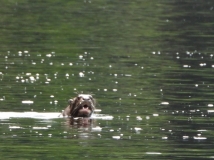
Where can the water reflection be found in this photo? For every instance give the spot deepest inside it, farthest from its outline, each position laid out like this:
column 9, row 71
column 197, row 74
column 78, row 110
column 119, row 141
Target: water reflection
column 80, row 122
column 180, row 113
column 150, row 66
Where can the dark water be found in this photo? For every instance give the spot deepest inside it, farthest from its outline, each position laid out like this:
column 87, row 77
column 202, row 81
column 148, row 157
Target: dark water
column 149, row 64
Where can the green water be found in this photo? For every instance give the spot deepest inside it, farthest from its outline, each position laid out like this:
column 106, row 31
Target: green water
column 148, row 63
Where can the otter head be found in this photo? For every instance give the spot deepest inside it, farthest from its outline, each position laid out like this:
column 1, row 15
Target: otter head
column 82, row 106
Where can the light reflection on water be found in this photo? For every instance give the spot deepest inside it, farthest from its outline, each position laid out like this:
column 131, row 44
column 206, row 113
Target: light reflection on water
column 149, row 65
column 134, row 119
column 44, row 125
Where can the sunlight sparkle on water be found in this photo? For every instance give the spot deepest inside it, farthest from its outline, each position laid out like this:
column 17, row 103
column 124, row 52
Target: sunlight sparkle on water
column 48, row 55
column 97, row 110
column 114, row 90
column 27, row 102
column 199, row 138
column 202, row 64
column 40, row 128
column 138, row 129
column 116, row 137
column 32, row 79
column 15, row 127
column 2, row 99
column 202, row 130
column 80, row 56
column 153, row 153
column 210, row 111
column 210, row 105
column 97, row 128
column 186, row 66
column 165, row 103
column 139, row 118
column 81, row 74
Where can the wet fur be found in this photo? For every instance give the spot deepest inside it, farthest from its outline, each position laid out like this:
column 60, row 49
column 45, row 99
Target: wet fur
column 76, row 109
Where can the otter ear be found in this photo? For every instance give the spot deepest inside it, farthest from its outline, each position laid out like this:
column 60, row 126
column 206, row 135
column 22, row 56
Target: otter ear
column 70, row 101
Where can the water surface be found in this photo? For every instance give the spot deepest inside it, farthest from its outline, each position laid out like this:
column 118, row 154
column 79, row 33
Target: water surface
column 149, row 64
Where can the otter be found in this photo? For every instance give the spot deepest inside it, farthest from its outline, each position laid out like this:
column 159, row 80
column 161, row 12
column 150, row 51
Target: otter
column 81, row 106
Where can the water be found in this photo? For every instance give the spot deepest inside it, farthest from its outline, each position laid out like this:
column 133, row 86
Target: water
column 149, row 65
